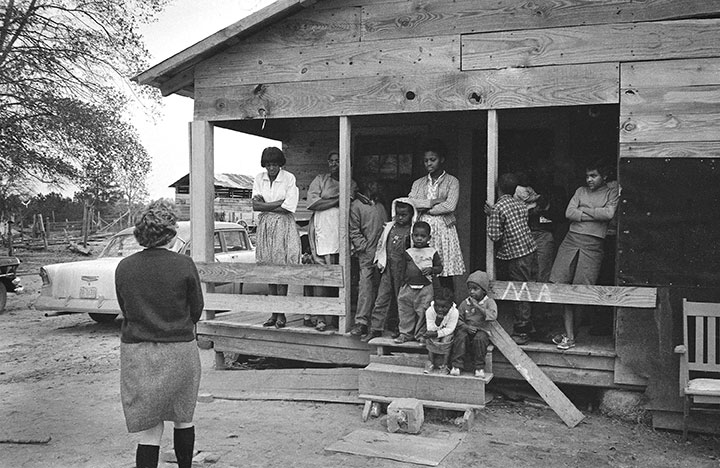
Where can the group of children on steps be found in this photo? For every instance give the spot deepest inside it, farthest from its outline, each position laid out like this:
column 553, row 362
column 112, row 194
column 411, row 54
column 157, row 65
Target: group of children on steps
column 427, row 313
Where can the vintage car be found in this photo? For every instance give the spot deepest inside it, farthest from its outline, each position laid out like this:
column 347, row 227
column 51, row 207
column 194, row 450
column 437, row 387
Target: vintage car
column 89, row 286
column 8, row 281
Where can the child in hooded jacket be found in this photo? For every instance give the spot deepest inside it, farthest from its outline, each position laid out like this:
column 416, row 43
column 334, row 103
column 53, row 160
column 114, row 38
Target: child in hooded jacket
column 390, row 261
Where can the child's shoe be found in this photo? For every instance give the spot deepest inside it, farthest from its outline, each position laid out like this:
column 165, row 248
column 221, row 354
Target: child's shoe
column 403, row 339
column 480, row 373
column 359, row 329
column 421, row 340
column 557, row 339
column 371, row 334
column 321, row 326
column 566, row 343
column 394, row 333
column 455, row 371
column 428, row 368
column 444, row 370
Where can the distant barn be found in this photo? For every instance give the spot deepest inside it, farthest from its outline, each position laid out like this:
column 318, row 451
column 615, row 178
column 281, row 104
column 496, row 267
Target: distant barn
column 232, row 197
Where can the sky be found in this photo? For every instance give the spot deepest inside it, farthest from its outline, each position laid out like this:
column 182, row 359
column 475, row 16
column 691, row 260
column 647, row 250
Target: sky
column 182, row 24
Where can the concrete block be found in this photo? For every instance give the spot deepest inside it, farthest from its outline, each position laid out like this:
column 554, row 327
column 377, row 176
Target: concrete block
column 405, row 415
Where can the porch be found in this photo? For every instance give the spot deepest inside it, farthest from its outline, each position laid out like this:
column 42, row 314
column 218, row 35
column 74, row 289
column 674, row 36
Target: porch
column 233, row 323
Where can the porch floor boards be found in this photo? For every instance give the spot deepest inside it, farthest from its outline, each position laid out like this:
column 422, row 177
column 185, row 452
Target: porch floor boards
column 590, row 363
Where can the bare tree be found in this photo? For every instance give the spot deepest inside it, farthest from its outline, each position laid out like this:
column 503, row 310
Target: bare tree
column 64, row 83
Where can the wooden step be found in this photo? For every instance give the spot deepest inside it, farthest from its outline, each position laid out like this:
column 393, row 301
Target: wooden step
column 435, row 390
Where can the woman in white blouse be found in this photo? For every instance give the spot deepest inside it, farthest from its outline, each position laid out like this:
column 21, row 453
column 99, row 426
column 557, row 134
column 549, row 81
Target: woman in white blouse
column 275, row 196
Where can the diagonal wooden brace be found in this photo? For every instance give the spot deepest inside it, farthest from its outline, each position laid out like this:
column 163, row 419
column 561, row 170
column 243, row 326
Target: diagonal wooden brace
column 532, row 373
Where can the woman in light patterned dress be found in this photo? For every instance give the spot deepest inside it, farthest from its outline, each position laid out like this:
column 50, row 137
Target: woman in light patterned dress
column 275, row 196
column 436, row 196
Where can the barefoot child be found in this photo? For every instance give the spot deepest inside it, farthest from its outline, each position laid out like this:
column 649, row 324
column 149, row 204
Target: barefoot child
column 441, row 319
column 471, row 341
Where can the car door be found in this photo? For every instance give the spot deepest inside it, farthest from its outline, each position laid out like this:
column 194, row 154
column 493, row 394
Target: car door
column 237, row 246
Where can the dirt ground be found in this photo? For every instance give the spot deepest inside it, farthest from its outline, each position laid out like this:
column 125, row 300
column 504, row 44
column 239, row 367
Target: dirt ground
column 59, row 377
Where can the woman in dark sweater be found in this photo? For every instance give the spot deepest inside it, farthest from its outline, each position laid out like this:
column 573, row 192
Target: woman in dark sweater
column 160, row 297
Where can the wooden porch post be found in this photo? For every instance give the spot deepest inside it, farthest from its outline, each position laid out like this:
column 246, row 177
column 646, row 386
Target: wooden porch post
column 202, row 191
column 344, row 324
column 492, row 175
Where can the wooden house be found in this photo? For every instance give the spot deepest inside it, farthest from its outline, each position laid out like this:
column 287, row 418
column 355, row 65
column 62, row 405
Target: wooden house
column 505, row 84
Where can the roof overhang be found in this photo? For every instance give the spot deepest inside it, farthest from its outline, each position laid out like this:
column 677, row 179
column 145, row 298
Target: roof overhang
column 177, row 74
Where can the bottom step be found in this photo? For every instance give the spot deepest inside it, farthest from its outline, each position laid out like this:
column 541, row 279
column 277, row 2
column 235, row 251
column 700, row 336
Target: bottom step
column 384, row 381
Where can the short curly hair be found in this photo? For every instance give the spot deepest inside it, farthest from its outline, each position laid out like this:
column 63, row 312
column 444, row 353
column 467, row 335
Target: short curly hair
column 157, row 224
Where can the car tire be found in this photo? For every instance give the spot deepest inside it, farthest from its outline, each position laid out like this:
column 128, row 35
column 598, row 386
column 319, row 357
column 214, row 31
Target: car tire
column 3, row 296
column 103, row 318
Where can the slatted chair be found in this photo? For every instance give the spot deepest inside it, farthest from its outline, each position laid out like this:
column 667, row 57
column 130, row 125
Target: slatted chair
column 699, row 354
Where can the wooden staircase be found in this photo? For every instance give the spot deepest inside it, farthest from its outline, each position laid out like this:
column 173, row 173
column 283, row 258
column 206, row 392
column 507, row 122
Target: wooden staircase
column 396, row 371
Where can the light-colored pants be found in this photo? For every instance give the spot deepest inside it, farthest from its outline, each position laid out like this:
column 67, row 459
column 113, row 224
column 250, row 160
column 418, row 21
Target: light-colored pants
column 412, row 304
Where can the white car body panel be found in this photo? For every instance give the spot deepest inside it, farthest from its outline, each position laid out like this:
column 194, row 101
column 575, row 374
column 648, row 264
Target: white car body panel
column 89, row 286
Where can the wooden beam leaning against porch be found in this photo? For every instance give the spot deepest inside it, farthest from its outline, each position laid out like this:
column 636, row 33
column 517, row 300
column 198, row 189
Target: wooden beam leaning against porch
column 424, row 92
column 610, row 296
column 591, row 44
column 384, row 20
column 304, row 275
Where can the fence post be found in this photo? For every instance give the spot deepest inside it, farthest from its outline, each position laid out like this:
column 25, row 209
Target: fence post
column 41, row 227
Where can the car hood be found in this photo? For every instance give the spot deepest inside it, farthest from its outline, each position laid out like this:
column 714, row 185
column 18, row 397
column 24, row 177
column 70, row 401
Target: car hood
column 67, row 278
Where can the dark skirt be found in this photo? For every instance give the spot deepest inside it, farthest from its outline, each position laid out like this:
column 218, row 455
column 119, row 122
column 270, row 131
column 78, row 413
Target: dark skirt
column 158, row 382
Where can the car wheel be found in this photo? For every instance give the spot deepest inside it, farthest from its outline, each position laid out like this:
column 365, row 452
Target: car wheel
column 103, row 318
column 3, row 296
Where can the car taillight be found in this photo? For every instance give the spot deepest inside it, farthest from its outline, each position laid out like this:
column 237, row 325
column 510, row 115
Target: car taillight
column 44, row 276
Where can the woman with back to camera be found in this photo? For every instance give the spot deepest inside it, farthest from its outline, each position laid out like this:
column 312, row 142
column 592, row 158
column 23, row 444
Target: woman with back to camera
column 436, row 197
column 159, row 294
column 275, row 196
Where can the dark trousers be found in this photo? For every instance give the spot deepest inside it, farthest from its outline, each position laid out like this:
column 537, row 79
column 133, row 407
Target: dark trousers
column 469, row 350
column 390, row 282
column 367, row 292
column 519, row 269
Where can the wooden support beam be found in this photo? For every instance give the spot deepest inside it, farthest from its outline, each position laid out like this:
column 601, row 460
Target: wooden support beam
column 177, row 82
column 557, row 400
column 202, row 192
column 304, row 275
column 582, row 294
column 492, row 174
column 344, row 149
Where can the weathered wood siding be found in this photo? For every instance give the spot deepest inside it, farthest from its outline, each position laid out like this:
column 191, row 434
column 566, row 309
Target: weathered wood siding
column 368, row 57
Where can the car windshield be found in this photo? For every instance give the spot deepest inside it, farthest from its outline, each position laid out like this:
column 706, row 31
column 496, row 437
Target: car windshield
column 125, row 245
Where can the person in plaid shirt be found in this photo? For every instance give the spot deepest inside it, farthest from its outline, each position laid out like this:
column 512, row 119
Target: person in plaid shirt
column 515, row 247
